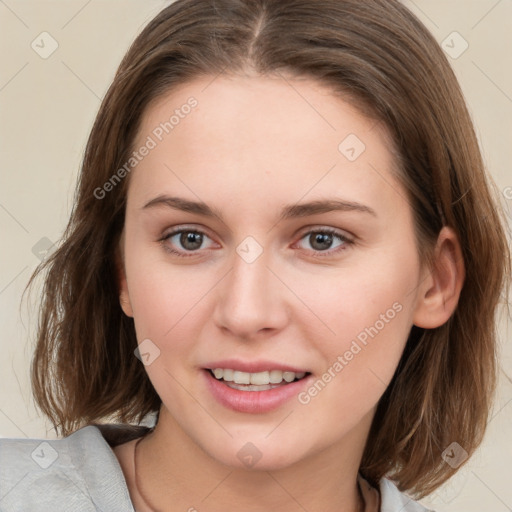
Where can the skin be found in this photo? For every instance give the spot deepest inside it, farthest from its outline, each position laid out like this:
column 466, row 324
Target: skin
column 252, row 145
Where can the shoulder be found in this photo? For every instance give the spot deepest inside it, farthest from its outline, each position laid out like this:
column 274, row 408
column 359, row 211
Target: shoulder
column 79, row 472
column 392, row 500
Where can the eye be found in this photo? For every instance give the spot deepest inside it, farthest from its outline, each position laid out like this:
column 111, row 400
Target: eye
column 186, row 240
column 322, row 241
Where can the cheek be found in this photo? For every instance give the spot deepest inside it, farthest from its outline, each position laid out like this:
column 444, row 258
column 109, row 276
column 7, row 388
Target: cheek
column 369, row 293
column 160, row 293
column 167, row 307
column 168, row 304
column 370, row 310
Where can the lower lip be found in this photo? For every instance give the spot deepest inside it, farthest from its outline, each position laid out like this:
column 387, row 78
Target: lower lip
column 255, row 402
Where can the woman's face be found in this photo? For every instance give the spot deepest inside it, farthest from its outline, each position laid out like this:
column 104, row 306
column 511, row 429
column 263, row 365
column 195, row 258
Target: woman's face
column 265, row 232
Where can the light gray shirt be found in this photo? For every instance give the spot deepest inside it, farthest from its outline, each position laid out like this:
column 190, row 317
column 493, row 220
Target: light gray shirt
column 81, row 473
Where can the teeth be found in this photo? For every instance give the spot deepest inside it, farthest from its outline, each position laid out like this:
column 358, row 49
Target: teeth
column 257, row 379
column 260, row 378
column 288, row 376
column 275, row 376
column 219, row 373
column 241, row 378
column 227, row 375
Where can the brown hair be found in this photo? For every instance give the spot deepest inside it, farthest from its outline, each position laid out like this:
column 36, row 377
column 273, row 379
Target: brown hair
column 381, row 57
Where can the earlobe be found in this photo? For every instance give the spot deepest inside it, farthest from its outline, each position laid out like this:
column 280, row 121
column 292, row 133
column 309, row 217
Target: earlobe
column 439, row 292
column 124, row 296
column 124, row 300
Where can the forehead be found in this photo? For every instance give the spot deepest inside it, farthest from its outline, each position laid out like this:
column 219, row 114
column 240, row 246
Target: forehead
column 263, row 136
column 230, row 109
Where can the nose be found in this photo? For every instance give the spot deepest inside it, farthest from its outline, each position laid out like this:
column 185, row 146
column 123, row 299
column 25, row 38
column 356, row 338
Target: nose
column 251, row 300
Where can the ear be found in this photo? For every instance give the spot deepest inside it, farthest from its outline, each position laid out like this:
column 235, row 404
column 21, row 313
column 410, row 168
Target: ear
column 439, row 290
column 124, row 296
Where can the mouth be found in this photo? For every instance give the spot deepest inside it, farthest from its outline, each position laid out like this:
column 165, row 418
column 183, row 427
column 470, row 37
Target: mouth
column 259, row 381
column 257, row 392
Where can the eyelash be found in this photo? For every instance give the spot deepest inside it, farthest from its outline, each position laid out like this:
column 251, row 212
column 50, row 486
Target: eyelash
column 317, row 254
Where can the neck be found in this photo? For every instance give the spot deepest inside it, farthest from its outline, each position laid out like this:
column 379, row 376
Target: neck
column 172, row 469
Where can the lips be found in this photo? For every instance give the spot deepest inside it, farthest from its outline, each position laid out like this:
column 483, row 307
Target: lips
column 255, row 387
column 253, row 366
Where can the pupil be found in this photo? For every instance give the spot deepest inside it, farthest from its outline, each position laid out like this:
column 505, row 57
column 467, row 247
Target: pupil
column 195, row 239
column 323, row 239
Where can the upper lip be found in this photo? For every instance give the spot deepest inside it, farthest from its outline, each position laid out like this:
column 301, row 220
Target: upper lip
column 253, row 366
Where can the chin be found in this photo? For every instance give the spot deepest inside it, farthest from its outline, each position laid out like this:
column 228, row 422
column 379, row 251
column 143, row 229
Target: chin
column 258, row 455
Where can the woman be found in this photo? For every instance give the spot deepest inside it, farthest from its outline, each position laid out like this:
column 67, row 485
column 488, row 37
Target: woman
column 284, row 245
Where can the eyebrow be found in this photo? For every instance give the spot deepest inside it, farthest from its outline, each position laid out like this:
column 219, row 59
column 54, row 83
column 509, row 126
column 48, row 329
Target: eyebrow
column 288, row 212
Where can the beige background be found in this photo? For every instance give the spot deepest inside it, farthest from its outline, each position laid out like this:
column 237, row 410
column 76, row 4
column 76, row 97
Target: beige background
column 47, row 107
